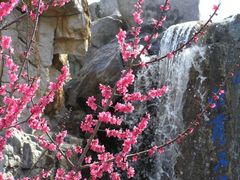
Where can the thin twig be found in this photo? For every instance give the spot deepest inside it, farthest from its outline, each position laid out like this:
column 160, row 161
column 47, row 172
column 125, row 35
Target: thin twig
column 188, row 42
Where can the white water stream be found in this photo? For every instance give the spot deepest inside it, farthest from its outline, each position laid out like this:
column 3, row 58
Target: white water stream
column 167, row 118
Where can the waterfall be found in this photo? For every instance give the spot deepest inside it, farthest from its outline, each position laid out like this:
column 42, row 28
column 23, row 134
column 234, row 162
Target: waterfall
column 166, row 112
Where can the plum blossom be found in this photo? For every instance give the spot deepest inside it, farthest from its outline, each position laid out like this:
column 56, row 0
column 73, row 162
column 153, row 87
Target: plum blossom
column 91, row 103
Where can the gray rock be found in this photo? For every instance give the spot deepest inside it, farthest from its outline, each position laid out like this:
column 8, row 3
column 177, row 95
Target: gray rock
column 181, row 11
column 27, row 156
column 94, row 11
column 104, row 67
column 104, row 30
column 108, row 8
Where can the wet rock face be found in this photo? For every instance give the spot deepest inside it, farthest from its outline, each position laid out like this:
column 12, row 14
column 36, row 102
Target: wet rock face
column 212, row 151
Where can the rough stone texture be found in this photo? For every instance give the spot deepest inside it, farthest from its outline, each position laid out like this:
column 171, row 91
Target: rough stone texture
column 104, row 30
column 103, row 66
column 21, row 153
column 64, row 30
column 24, row 157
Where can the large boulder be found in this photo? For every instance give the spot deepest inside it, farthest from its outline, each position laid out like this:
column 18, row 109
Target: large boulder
column 101, row 31
column 64, row 31
column 104, row 66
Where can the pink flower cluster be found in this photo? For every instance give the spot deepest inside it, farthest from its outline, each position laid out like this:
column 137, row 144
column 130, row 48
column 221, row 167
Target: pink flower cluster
column 137, row 14
column 97, row 170
column 35, row 122
column 6, row 42
column 60, row 137
column 125, row 108
column 6, row 8
column 71, row 175
column 107, row 117
column 96, row 147
column 126, row 80
column 88, row 124
column 91, row 103
column 152, row 94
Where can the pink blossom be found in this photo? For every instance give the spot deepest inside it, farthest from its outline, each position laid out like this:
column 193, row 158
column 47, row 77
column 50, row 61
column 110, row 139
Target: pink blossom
column 161, row 150
column 136, row 31
column 125, row 108
column 212, row 105
column 195, row 39
column 146, row 38
column 215, row 7
column 6, row 41
column 190, row 130
column 24, row 8
column 44, row 174
column 125, row 81
column 6, row 8
column 60, row 174
column 170, row 55
column 87, row 124
column 157, row 92
column 106, row 117
column 59, row 156
column 52, row 147
column 77, row 149
column 215, row 97
column 96, row 147
column 155, row 36
column 69, row 153
column 91, row 103
column 130, row 172
column 135, row 158
column 137, row 18
column 121, row 36
column 60, row 137
column 115, row 176
column 137, row 96
column 3, row 90
column 106, row 91
column 106, row 102
column 88, row 159
column 221, row 92
column 59, row 3
column 152, row 150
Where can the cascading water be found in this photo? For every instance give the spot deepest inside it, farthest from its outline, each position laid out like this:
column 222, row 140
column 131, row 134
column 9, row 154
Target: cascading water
column 166, row 112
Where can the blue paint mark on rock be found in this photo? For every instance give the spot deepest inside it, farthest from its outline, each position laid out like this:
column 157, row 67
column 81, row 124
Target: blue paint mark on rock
column 222, row 178
column 218, row 134
column 222, row 161
column 236, row 79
